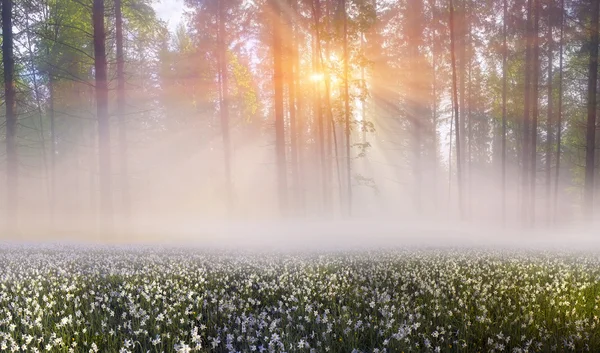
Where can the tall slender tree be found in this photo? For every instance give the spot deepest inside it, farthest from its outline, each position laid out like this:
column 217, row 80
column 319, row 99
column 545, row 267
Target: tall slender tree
column 224, row 100
column 12, row 161
column 320, row 121
column 121, row 106
column 559, row 119
column 347, row 108
column 504, row 94
column 535, row 87
column 549, row 119
column 591, row 111
column 101, row 88
column 292, row 67
column 278, row 81
column 526, row 154
column 434, row 95
column 456, row 110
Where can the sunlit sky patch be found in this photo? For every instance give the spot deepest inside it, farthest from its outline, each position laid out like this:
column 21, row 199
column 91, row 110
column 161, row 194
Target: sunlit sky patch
column 170, row 11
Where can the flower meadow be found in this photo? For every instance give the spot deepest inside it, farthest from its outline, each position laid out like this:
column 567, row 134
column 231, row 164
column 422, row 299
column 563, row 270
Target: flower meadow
column 406, row 300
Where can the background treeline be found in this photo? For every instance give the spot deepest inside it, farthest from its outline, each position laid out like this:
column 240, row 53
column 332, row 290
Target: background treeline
column 460, row 109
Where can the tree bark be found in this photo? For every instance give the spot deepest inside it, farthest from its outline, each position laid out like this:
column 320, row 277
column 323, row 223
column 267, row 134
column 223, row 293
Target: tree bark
column 100, row 67
column 318, row 65
column 53, row 142
column 347, row 110
column 504, row 93
column 591, row 115
column 549, row 120
column 292, row 67
column 525, row 184
column 535, row 65
column 224, row 103
column 560, row 108
column 456, row 116
column 121, row 107
column 434, row 99
column 12, row 161
column 279, row 108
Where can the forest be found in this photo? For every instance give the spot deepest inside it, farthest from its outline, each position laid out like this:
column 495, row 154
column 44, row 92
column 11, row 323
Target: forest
column 478, row 111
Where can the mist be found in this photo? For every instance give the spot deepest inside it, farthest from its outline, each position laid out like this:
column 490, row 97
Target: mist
column 299, row 176
column 371, row 124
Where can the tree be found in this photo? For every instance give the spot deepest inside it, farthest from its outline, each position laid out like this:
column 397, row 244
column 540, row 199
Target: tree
column 456, row 115
column 535, row 65
column 591, row 111
column 504, row 96
column 347, row 109
column 224, row 100
column 101, row 88
column 292, row 69
column 549, row 119
column 559, row 119
column 12, row 159
column 121, row 105
column 526, row 163
column 279, row 108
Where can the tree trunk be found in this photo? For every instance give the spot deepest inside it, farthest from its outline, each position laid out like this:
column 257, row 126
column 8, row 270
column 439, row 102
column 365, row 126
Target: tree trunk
column 560, row 108
column 301, row 118
column 504, row 92
column 224, row 103
column 535, row 65
column 469, row 117
column 121, row 106
column 292, row 76
column 462, row 40
column 100, row 67
column 549, row 122
column 591, row 116
column 328, row 127
column 525, row 185
column 279, row 109
column 347, row 110
column 434, row 99
column 414, row 109
column 53, row 142
column 12, row 161
column 320, row 121
column 456, row 116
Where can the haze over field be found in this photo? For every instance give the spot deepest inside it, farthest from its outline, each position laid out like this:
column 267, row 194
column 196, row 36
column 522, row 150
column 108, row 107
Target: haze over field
column 292, row 124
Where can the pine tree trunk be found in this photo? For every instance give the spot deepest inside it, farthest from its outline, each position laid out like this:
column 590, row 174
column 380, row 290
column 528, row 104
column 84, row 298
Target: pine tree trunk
column 456, row 116
column 12, row 162
column 53, row 142
column 434, row 99
column 121, row 102
column 591, row 116
column 560, row 109
column 100, row 67
column 469, row 117
column 292, row 76
column 279, row 108
column 535, row 65
column 328, row 127
column 504, row 93
column 347, row 110
column 462, row 40
column 301, row 119
column 526, row 164
column 224, row 103
column 318, row 65
column 549, row 120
